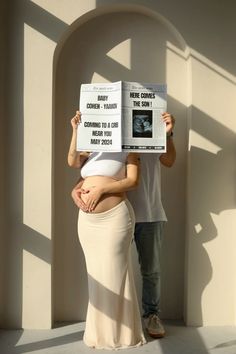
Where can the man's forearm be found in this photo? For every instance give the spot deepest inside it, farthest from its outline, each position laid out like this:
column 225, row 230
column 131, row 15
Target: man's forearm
column 168, row 159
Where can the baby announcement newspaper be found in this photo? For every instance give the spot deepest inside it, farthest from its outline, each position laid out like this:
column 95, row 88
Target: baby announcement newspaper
column 122, row 116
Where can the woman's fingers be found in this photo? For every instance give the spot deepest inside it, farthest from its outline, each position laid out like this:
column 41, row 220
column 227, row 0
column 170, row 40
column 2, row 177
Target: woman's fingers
column 91, row 204
column 76, row 120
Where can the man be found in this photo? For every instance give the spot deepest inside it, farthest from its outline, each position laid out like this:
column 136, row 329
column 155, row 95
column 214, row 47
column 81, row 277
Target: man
column 150, row 220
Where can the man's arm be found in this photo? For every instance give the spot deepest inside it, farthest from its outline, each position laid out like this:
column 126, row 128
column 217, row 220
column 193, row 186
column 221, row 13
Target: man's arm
column 168, row 158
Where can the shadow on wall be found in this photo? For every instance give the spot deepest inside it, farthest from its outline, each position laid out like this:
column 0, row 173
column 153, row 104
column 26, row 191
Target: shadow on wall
column 21, row 237
column 97, row 61
column 92, row 55
column 80, row 59
column 3, row 151
column 212, row 190
column 205, row 39
column 214, row 177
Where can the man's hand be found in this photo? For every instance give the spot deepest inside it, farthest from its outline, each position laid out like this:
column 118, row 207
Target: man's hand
column 170, row 122
column 168, row 158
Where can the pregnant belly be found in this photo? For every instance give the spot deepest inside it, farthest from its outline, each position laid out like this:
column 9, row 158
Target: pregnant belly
column 107, row 201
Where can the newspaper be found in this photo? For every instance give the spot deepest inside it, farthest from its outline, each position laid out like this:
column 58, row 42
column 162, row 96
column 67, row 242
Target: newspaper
column 122, row 116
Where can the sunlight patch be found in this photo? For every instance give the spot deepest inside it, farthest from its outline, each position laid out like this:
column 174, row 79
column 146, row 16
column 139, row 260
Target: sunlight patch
column 199, row 141
column 99, row 78
column 122, row 53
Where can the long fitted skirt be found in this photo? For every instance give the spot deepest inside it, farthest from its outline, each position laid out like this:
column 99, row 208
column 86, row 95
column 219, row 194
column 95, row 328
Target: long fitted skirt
column 113, row 318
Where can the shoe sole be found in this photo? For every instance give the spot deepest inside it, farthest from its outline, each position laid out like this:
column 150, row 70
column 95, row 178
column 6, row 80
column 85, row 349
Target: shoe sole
column 156, row 336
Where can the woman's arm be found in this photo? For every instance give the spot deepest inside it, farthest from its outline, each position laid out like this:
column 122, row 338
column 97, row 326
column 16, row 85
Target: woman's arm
column 76, row 158
column 132, row 176
column 129, row 182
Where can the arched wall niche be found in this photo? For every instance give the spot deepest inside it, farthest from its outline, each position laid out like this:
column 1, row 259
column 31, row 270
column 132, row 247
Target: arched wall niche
column 108, row 44
column 118, row 8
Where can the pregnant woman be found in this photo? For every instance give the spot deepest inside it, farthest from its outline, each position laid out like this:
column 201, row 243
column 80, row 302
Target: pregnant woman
column 105, row 229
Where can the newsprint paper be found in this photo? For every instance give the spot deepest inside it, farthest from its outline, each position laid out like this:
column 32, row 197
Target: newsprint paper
column 122, row 116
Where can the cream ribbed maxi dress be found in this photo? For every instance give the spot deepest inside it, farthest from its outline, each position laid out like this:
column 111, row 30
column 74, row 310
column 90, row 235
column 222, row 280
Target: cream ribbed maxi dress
column 113, row 318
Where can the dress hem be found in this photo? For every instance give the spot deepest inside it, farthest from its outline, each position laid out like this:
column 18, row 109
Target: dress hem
column 139, row 344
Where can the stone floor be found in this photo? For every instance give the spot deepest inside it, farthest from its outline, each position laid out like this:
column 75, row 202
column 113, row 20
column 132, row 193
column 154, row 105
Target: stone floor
column 67, row 339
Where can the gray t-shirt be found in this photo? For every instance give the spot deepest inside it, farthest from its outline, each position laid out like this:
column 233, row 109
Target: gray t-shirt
column 146, row 199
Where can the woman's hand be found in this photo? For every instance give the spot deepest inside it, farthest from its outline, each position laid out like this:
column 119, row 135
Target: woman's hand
column 76, row 120
column 76, row 196
column 94, row 194
column 75, row 158
column 170, row 122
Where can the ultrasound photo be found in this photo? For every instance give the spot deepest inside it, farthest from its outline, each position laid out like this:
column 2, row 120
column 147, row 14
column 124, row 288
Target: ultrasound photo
column 142, row 124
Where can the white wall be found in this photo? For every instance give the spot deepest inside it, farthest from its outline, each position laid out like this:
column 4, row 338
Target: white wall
column 210, row 252
column 42, row 96
column 123, row 55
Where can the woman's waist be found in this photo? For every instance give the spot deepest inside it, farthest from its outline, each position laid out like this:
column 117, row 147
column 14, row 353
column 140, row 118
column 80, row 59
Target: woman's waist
column 109, row 212
column 97, row 181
